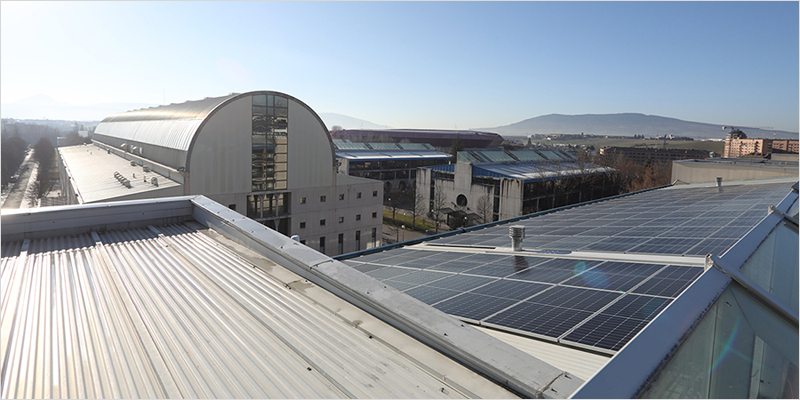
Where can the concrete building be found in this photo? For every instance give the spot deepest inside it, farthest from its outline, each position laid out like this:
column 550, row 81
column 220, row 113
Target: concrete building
column 485, row 186
column 264, row 154
column 731, row 169
column 738, row 145
column 642, row 154
column 393, row 163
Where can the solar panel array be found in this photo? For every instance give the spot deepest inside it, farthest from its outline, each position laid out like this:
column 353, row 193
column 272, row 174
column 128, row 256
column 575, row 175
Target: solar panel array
column 540, row 296
column 594, row 303
column 692, row 222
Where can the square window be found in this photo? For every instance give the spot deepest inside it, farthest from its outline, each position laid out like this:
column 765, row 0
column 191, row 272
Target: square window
column 322, row 222
column 358, row 217
column 358, row 195
column 374, row 215
column 341, row 196
column 302, row 200
column 302, row 225
column 302, row 241
column 341, row 219
column 322, row 199
column 232, row 206
column 374, row 193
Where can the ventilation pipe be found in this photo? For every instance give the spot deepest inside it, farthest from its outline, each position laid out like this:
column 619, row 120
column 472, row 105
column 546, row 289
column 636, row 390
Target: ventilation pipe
column 516, row 233
column 719, row 181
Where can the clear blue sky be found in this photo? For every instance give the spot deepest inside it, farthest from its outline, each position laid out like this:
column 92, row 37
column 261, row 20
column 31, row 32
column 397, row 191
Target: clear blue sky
column 418, row 64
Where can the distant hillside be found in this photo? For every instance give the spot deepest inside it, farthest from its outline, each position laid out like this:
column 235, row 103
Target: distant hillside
column 346, row 122
column 627, row 124
column 42, row 106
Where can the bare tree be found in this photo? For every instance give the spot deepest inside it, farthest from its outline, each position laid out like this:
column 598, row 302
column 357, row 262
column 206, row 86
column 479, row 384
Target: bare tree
column 394, row 200
column 485, row 209
column 417, row 207
column 437, row 204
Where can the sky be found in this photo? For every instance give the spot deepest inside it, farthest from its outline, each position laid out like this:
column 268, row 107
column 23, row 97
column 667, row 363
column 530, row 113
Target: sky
column 447, row 65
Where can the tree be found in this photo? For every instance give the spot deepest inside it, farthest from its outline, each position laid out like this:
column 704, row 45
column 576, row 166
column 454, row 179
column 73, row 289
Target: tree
column 417, row 206
column 393, row 200
column 485, row 209
column 437, row 204
column 13, row 153
column 336, row 128
column 455, row 147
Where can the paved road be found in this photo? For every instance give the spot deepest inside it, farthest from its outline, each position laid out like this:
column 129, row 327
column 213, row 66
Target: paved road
column 15, row 195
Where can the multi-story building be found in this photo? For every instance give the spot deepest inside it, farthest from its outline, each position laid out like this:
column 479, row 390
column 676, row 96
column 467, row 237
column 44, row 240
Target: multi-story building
column 264, row 154
column 441, row 139
column 737, row 144
column 642, row 154
column 393, row 163
column 485, row 186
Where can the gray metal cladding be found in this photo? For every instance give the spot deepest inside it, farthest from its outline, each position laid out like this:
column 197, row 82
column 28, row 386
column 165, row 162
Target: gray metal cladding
column 169, row 312
column 171, row 133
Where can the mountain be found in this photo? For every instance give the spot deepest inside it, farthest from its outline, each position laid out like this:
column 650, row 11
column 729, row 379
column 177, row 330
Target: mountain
column 346, row 122
column 42, row 106
column 627, row 124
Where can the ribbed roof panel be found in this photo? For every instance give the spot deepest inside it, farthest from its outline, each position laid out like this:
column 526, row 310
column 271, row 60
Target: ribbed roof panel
column 169, row 312
column 169, row 133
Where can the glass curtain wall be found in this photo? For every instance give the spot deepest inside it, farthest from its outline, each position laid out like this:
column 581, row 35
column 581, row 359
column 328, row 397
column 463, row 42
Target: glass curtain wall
column 270, row 142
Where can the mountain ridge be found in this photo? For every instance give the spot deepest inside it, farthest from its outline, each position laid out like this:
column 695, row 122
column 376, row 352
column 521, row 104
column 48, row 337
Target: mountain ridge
column 625, row 124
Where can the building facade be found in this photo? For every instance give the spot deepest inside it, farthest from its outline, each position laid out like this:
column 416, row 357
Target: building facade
column 737, row 145
column 264, row 154
column 642, row 154
column 393, row 163
column 439, row 138
column 485, row 186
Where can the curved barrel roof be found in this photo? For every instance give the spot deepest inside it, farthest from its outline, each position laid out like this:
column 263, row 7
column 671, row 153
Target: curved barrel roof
column 172, row 126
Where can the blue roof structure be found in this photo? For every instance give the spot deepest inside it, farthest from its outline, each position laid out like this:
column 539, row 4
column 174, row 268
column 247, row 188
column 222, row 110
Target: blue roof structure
column 524, row 165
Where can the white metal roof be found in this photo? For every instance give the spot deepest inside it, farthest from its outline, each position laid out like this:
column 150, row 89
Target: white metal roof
column 93, row 171
column 170, row 312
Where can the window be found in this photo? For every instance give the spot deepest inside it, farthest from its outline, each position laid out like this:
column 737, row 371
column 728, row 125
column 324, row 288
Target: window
column 341, row 220
column 322, row 245
column 302, row 225
column 341, row 196
column 374, row 215
column 322, row 199
column 341, row 243
column 322, row 222
column 358, row 240
column 303, row 241
column 374, row 237
column 374, row 193
column 302, row 200
column 232, row 206
column 358, row 217
column 358, row 195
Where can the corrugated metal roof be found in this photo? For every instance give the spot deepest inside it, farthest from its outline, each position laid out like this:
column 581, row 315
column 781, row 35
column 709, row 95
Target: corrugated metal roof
column 93, row 171
column 363, row 155
column 171, row 126
column 170, row 133
column 169, row 312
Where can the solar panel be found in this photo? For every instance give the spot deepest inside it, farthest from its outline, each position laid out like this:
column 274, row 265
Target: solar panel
column 421, row 277
column 461, row 283
column 388, row 272
column 670, row 281
column 665, row 246
column 511, row 290
column 401, row 286
column 615, row 326
column 614, row 276
column 711, row 246
column 539, row 319
column 474, row 306
column 431, row 295
column 614, row 244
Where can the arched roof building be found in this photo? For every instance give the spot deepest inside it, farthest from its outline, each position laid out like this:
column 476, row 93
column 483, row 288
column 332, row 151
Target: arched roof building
column 265, row 154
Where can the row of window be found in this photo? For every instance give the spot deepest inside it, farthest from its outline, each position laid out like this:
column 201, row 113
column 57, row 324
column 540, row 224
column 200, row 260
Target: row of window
column 341, row 241
column 341, row 220
column 324, row 198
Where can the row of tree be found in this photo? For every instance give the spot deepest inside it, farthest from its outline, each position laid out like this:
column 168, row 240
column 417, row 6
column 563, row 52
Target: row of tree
column 13, row 153
column 47, row 176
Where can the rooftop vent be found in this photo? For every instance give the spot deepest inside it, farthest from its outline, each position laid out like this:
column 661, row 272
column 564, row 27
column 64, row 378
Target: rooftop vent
column 123, row 180
column 145, row 168
column 719, row 181
column 516, row 233
column 154, row 181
